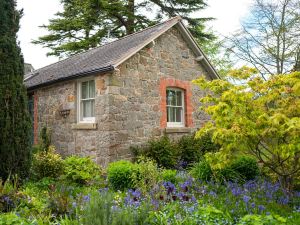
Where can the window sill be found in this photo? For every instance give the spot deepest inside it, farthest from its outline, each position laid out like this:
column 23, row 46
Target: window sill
column 171, row 130
column 84, row 126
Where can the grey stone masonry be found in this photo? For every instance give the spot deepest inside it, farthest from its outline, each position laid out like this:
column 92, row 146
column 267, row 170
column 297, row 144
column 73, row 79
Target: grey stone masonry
column 128, row 103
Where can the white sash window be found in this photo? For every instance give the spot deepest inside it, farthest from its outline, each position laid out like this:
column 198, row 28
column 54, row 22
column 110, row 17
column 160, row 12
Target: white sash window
column 86, row 101
column 175, row 107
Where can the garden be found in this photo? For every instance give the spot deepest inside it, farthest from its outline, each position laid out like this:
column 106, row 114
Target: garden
column 170, row 182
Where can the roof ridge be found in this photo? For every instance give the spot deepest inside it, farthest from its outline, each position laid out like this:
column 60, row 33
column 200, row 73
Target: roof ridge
column 35, row 72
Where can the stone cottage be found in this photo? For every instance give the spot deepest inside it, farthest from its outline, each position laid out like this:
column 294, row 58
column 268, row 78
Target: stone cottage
column 101, row 102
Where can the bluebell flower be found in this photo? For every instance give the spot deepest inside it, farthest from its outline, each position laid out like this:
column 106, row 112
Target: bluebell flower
column 246, row 198
column 236, row 191
column 212, row 193
column 86, row 198
column 261, row 208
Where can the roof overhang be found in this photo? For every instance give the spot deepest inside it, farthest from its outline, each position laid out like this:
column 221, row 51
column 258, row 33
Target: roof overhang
column 98, row 71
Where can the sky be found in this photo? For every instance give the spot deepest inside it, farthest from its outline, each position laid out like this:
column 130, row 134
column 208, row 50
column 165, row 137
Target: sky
column 228, row 14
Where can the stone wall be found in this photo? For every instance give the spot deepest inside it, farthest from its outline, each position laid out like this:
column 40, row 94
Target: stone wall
column 129, row 102
column 67, row 137
column 136, row 103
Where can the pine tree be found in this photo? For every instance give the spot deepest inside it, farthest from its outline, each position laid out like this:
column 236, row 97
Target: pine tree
column 84, row 24
column 15, row 135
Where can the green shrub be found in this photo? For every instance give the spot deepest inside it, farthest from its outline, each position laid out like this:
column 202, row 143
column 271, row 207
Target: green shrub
column 262, row 220
column 12, row 219
column 190, row 149
column 241, row 169
column 247, row 167
column 202, row 170
column 169, row 175
column 120, row 175
column 47, row 164
column 146, row 174
column 163, row 151
column 81, row 170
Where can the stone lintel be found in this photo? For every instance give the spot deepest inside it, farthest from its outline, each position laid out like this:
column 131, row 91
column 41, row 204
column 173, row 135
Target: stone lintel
column 170, row 130
column 84, row 126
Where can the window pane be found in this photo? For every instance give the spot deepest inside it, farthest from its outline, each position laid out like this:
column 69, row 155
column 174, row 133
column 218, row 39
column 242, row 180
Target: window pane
column 91, row 89
column 179, row 98
column 84, row 90
column 88, row 108
column 171, row 114
column 171, row 97
column 178, row 115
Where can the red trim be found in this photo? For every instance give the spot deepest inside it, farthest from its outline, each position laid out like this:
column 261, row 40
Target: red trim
column 35, row 117
column 186, row 86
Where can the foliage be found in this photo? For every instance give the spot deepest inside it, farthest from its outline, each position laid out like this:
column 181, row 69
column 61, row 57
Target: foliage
column 15, row 125
column 202, row 170
column 47, row 164
column 169, row 175
column 8, row 194
column 103, row 210
column 120, row 175
column 255, row 117
column 88, row 23
column 269, row 39
column 246, row 167
column 12, row 219
column 45, row 139
column 261, row 220
column 146, row 174
column 81, row 170
column 192, row 149
column 163, row 151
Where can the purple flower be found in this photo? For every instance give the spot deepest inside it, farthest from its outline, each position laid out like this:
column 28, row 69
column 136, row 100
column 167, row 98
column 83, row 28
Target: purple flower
column 253, row 205
column 261, row 208
column 284, row 200
column 236, row 191
column 246, row 198
column 212, row 193
column 86, row 198
column 170, row 187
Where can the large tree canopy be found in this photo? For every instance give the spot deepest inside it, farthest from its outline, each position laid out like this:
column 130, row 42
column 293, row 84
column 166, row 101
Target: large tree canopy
column 256, row 117
column 15, row 126
column 270, row 37
column 84, row 24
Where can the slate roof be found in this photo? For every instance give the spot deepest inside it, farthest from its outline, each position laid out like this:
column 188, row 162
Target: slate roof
column 100, row 59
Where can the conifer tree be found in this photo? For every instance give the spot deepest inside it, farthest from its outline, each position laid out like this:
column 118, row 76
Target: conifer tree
column 84, row 24
column 15, row 131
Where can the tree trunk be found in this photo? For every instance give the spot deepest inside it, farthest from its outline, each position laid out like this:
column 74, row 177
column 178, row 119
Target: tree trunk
column 130, row 20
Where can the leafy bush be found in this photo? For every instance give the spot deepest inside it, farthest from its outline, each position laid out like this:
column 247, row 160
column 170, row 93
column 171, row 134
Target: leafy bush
column 169, row 175
column 163, row 151
column 192, row 149
column 120, row 175
column 202, row 171
column 247, row 167
column 146, row 174
column 12, row 219
column 9, row 198
column 262, row 220
column 241, row 169
column 81, row 170
column 47, row 164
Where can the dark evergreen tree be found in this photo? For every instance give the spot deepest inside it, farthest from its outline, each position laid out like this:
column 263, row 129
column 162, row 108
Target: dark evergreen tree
column 84, row 24
column 15, row 149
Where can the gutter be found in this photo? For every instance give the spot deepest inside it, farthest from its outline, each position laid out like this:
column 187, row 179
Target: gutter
column 101, row 70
